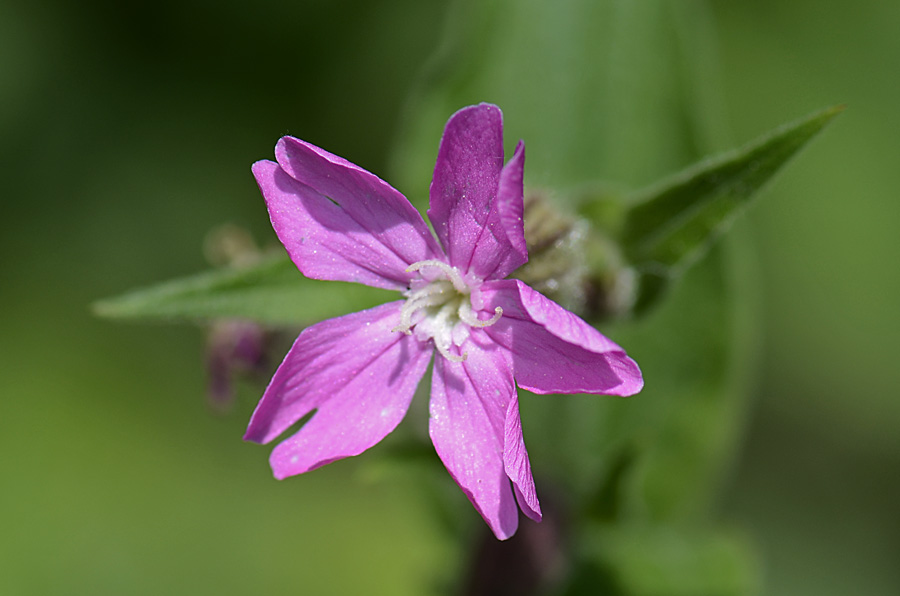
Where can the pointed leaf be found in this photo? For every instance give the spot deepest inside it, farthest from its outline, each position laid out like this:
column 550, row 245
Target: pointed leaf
column 270, row 292
column 672, row 224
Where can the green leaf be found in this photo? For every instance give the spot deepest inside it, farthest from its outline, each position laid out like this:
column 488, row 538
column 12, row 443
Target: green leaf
column 270, row 292
column 670, row 225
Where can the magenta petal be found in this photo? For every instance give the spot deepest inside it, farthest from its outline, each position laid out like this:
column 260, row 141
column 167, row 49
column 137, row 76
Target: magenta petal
column 468, row 414
column 466, row 175
column 359, row 376
column 465, row 211
column 501, row 249
column 517, row 464
column 555, row 351
column 339, row 222
column 511, row 207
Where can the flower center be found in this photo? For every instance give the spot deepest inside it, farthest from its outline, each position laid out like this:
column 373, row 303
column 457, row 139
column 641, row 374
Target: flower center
column 439, row 308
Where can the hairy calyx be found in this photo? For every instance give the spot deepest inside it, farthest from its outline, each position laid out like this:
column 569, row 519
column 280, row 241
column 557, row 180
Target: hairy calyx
column 439, row 308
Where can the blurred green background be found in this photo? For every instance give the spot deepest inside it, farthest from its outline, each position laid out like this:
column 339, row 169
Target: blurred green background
column 126, row 134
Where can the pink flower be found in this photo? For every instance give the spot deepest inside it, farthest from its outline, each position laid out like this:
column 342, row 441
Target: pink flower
column 359, row 372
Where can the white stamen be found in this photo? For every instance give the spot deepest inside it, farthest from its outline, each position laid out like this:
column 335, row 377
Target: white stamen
column 468, row 316
column 434, row 294
column 452, row 273
column 446, row 306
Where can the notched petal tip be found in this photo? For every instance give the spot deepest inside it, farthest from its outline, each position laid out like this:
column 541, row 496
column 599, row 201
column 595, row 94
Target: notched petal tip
column 352, row 376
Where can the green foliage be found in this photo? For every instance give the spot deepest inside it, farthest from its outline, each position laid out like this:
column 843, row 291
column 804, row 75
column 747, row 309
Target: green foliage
column 127, row 133
column 629, row 96
column 670, row 225
column 271, row 292
column 650, row 561
column 664, row 229
column 621, row 92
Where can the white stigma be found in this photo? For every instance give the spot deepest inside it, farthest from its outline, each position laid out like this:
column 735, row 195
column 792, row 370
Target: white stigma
column 441, row 309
